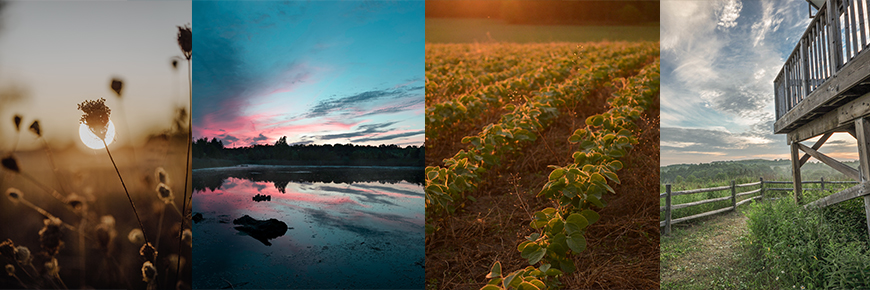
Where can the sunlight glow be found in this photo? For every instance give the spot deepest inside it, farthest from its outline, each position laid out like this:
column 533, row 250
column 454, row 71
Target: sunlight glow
column 91, row 140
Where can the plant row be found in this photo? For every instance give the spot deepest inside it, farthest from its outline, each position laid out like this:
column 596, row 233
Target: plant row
column 577, row 187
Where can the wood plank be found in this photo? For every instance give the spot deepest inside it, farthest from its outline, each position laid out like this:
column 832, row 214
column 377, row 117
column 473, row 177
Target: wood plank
column 820, row 125
column 816, row 146
column 747, row 200
column 833, row 163
column 700, row 202
column 700, row 215
column 850, row 193
column 847, row 77
column 749, row 184
column 700, row 190
column 862, row 128
column 749, row 192
column 855, row 109
column 796, row 171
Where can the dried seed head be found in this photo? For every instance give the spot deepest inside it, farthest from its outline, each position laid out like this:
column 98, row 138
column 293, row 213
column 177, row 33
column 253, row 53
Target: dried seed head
column 10, row 270
column 164, row 193
column 14, row 195
column 175, row 63
column 51, row 267
column 105, row 231
column 136, row 237
column 22, row 255
column 117, row 85
column 76, row 201
column 108, row 220
column 185, row 40
column 51, row 236
column 7, row 249
column 149, row 272
column 35, row 128
column 96, row 116
column 10, row 163
column 162, row 177
column 148, row 251
column 17, row 120
column 187, row 237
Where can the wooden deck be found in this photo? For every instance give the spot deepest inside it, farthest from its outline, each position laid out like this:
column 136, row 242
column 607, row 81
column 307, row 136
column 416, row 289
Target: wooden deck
column 828, row 69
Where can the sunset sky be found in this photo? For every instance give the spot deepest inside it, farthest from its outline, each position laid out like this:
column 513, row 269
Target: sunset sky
column 54, row 55
column 318, row 72
column 719, row 59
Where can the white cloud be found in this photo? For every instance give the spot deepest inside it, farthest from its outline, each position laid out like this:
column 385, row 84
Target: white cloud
column 728, row 13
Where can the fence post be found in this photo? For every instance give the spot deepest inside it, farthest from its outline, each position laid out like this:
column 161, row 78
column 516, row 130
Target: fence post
column 733, row 195
column 761, row 179
column 667, row 209
column 823, row 183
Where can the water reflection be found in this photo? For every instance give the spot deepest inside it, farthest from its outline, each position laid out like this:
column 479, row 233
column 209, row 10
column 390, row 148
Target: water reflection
column 347, row 227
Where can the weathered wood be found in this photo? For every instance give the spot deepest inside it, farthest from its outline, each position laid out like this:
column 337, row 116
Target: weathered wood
column 700, row 190
column 748, row 199
column 847, row 77
column 796, row 171
column 669, row 210
column 820, row 125
column 850, row 193
column 816, row 146
column 833, row 163
column 749, row 192
column 761, row 188
column 700, row 215
column 781, row 182
column 749, row 184
column 779, row 189
column 862, row 128
column 867, row 210
column 700, row 202
column 733, row 195
column 855, row 109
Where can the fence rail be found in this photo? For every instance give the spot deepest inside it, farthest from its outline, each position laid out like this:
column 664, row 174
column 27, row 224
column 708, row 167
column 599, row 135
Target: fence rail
column 669, row 207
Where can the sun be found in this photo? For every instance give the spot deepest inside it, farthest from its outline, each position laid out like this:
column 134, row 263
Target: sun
column 91, row 140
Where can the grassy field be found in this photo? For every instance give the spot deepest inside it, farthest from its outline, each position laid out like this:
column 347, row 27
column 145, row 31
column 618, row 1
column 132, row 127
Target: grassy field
column 461, row 30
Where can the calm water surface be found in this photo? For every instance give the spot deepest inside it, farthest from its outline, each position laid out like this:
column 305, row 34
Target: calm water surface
column 350, row 227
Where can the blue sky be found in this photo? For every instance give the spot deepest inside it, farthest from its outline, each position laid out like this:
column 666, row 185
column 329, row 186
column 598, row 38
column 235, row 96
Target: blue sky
column 719, row 60
column 318, row 72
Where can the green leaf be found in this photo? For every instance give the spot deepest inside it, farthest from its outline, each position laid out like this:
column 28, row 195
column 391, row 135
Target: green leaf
column 615, row 165
column 537, row 255
column 527, row 286
column 587, row 144
column 576, row 242
column 538, row 283
column 495, row 271
column 553, row 272
column 612, row 176
column 556, row 174
column 549, row 211
column 522, row 246
column 431, row 174
column 567, row 266
column 509, row 281
column 529, row 250
column 594, row 200
column 471, row 198
column 590, row 215
column 616, row 153
column 578, row 220
column 544, row 267
column 579, row 157
column 533, row 237
column 597, row 177
column 556, row 225
column 558, row 245
column 574, row 139
column 491, row 287
column 495, row 282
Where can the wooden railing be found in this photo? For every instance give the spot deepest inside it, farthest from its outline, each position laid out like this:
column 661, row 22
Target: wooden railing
column 668, row 208
column 839, row 31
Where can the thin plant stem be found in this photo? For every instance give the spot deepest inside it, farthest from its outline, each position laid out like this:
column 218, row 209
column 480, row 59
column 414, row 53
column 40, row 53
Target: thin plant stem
column 186, row 167
column 142, row 227
column 53, row 166
column 159, row 227
column 61, row 281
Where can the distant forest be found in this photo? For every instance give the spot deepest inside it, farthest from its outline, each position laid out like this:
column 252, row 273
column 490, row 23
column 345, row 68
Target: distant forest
column 747, row 171
column 212, row 153
column 548, row 11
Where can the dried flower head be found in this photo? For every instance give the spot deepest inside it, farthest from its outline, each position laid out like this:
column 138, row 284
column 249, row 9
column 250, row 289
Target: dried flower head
column 175, row 63
column 185, row 40
column 164, row 193
column 10, row 270
column 148, row 251
column 22, row 255
column 76, row 202
column 162, row 177
column 187, row 237
column 7, row 249
column 10, row 163
column 51, row 267
column 117, row 85
column 96, row 116
column 35, row 128
column 51, row 236
column 14, row 195
column 17, row 120
column 105, row 231
column 136, row 237
column 149, row 272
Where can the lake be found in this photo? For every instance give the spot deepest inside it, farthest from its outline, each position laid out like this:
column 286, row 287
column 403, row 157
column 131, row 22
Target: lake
column 348, row 227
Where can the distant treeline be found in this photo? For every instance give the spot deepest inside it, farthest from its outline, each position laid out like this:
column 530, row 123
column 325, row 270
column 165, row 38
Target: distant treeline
column 210, row 153
column 747, row 170
column 548, row 11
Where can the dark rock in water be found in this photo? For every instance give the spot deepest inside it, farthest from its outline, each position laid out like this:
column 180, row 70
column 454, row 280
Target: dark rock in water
column 262, row 230
column 262, row 197
column 197, row 217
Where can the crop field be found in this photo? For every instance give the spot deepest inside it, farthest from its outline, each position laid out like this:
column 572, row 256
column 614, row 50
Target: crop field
column 542, row 165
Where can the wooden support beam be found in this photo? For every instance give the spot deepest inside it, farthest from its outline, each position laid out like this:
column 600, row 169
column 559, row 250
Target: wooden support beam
column 850, row 193
column 796, row 171
column 862, row 127
column 838, row 120
column 833, row 163
column 816, row 146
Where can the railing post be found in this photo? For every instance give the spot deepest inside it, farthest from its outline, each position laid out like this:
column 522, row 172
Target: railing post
column 836, row 49
column 823, row 184
column 734, row 195
column 805, row 73
column 761, row 179
column 667, row 209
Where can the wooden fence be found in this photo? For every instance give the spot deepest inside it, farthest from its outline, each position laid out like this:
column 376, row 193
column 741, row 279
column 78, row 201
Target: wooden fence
column 668, row 208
